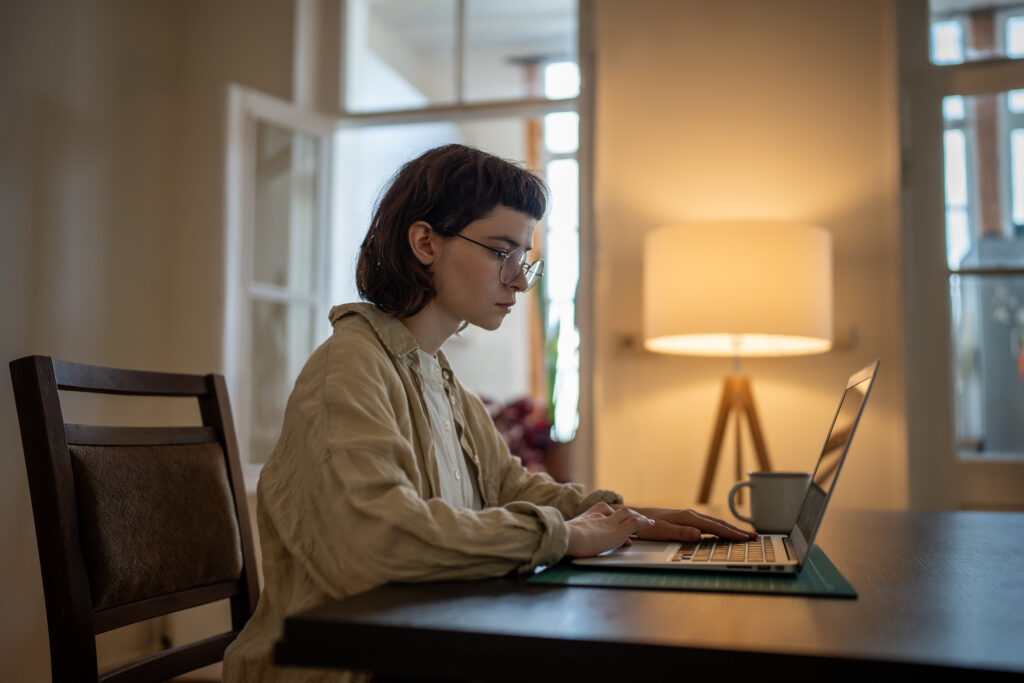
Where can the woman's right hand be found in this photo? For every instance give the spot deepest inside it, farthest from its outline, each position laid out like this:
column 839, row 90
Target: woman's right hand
column 602, row 528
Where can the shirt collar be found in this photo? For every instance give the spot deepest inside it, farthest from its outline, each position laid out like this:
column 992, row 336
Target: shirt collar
column 395, row 336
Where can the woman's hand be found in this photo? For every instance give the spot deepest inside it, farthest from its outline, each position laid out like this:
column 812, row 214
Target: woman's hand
column 687, row 525
column 602, row 528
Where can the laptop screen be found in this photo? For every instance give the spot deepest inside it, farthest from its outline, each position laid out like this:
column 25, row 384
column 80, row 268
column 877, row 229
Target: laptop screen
column 834, row 452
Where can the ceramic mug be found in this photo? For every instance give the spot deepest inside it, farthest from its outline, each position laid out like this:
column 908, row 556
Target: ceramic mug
column 775, row 499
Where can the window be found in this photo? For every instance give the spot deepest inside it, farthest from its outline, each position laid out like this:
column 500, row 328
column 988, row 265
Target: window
column 277, row 270
column 965, row 250
column 414, row 74
column 499, row 76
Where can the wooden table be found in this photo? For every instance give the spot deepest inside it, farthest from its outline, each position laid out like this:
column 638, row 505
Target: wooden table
column 937, row 591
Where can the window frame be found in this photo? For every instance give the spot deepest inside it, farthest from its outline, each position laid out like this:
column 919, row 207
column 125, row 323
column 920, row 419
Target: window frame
column 246, row 108
column 938, row 477
column 529, row 107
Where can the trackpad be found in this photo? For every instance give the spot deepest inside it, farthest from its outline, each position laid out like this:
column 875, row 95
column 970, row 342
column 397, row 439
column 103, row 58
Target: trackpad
column 642, row 550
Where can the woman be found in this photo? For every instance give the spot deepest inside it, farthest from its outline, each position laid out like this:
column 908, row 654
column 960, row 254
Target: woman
column 387, row 469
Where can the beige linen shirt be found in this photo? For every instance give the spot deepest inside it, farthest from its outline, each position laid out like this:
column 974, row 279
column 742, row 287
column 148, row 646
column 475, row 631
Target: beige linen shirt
column 350, row 498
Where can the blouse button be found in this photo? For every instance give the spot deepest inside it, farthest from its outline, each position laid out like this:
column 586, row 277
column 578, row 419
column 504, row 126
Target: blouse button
column 458, row 475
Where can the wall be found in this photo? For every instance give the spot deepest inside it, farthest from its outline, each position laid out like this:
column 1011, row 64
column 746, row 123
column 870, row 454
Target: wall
column 785, row 109
column 111, row 212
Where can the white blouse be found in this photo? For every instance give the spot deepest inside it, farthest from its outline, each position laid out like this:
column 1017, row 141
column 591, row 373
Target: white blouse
column 458, row 484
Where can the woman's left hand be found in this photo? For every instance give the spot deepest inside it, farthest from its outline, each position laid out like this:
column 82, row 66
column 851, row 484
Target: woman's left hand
column 687, row 525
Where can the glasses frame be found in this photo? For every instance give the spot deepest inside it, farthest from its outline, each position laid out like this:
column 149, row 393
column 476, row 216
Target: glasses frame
column 523, row 267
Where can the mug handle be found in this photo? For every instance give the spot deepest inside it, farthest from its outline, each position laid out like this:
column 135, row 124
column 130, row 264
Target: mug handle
column 732, row 502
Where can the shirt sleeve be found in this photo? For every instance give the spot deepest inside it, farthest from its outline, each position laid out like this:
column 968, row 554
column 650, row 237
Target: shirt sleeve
column 511, row 481
column 351, row 497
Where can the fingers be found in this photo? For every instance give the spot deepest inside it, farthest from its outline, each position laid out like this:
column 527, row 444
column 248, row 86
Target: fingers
column 718, row 527
column 594, row 532
column 599, row 510
column 687, row 525
column 631, row 521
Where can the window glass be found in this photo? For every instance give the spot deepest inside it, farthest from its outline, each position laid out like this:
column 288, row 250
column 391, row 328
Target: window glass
column 402, row 54
column 561, row 80
column 286, row 208
column 968, row 30
column 563, row 179
column 371, row 155
column 560, row 283
column 987, row 314
column 507, row 45
column 956, row 168
column 953, row 108
column 1015, row 101
column 947, row 42
column 984, row 181
column 561, row 132
column 282, row 337
column 1015, row 37
column 399, row 54
column 984, row 186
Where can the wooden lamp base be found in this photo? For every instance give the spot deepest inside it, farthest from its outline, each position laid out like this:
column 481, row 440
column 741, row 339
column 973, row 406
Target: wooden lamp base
column 736, row 397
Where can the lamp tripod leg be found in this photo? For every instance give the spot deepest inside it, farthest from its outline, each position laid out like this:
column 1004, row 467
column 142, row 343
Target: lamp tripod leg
column 725, row 406
column 736, row 396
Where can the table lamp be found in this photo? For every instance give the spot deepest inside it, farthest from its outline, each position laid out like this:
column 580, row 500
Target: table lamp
column 737, row 288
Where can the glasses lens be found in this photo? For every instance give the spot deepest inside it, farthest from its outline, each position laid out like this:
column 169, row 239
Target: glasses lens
column 533, row 274
column 513, row 265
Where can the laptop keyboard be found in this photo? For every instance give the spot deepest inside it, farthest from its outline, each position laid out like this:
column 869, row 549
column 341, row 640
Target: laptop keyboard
column 760, row 550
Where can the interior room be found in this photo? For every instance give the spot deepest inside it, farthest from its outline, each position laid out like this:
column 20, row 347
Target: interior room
column 124, row 200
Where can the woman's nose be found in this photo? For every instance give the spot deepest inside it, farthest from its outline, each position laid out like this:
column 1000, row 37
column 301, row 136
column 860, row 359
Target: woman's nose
column 519, row 283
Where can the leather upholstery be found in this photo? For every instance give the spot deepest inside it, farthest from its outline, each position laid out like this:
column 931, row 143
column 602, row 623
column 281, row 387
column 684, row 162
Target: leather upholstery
column 154, row 519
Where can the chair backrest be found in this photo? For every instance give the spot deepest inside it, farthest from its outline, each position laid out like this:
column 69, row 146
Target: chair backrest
column 133, row 522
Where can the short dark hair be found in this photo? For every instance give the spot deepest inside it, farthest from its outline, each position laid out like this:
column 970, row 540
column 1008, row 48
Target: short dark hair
column 447, row 187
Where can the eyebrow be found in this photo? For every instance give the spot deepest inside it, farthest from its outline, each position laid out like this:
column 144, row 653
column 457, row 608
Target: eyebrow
column 511, row 242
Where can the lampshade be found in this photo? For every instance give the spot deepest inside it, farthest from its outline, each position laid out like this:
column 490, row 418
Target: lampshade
column 738, row 288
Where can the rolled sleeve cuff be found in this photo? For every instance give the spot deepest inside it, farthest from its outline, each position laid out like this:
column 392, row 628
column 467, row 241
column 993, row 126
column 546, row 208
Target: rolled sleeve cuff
column 597, row 496
column 554, row 538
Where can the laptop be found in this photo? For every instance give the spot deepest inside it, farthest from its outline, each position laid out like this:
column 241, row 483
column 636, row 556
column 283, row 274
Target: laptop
column 769, row 553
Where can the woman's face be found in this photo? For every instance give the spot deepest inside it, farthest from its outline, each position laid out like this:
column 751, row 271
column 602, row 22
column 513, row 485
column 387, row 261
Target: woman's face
column 466, row 274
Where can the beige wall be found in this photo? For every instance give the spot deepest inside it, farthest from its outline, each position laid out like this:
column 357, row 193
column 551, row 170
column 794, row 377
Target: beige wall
column 111, row 208
column 783, row 109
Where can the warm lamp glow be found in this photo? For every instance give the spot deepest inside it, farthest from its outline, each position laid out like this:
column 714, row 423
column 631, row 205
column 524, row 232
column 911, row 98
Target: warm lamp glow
column 738, row 288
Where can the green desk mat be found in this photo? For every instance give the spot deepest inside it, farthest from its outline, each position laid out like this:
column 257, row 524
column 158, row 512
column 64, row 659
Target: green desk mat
column 819, row 577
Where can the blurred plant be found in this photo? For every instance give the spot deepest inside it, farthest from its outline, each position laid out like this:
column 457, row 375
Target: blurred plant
column 526, row 428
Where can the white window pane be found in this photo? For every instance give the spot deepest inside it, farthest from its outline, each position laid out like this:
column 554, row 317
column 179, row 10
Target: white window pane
column 988, row 365
column 1015, row 101
column 1015, row 37
column 563, row 179
column 956, row 168
column 399, row 54
column 1017, row 172
column 561, row 80
column 566, row 390
column 947, row 43
column 957, row 236
column 561, row 132
column 562, row 272
column 991, row 199
column 282, row 339
column 953, row 108
column 506, row 44
column 285, row 219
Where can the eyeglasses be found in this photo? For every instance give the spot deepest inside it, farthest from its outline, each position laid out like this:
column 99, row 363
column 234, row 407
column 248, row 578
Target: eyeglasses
column 514, row 263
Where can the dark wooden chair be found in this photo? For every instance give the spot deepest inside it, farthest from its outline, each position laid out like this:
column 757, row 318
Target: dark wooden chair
column 133, row 522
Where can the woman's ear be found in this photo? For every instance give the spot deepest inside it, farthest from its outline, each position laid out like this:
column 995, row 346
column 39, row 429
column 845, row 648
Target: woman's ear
column 421, row 241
